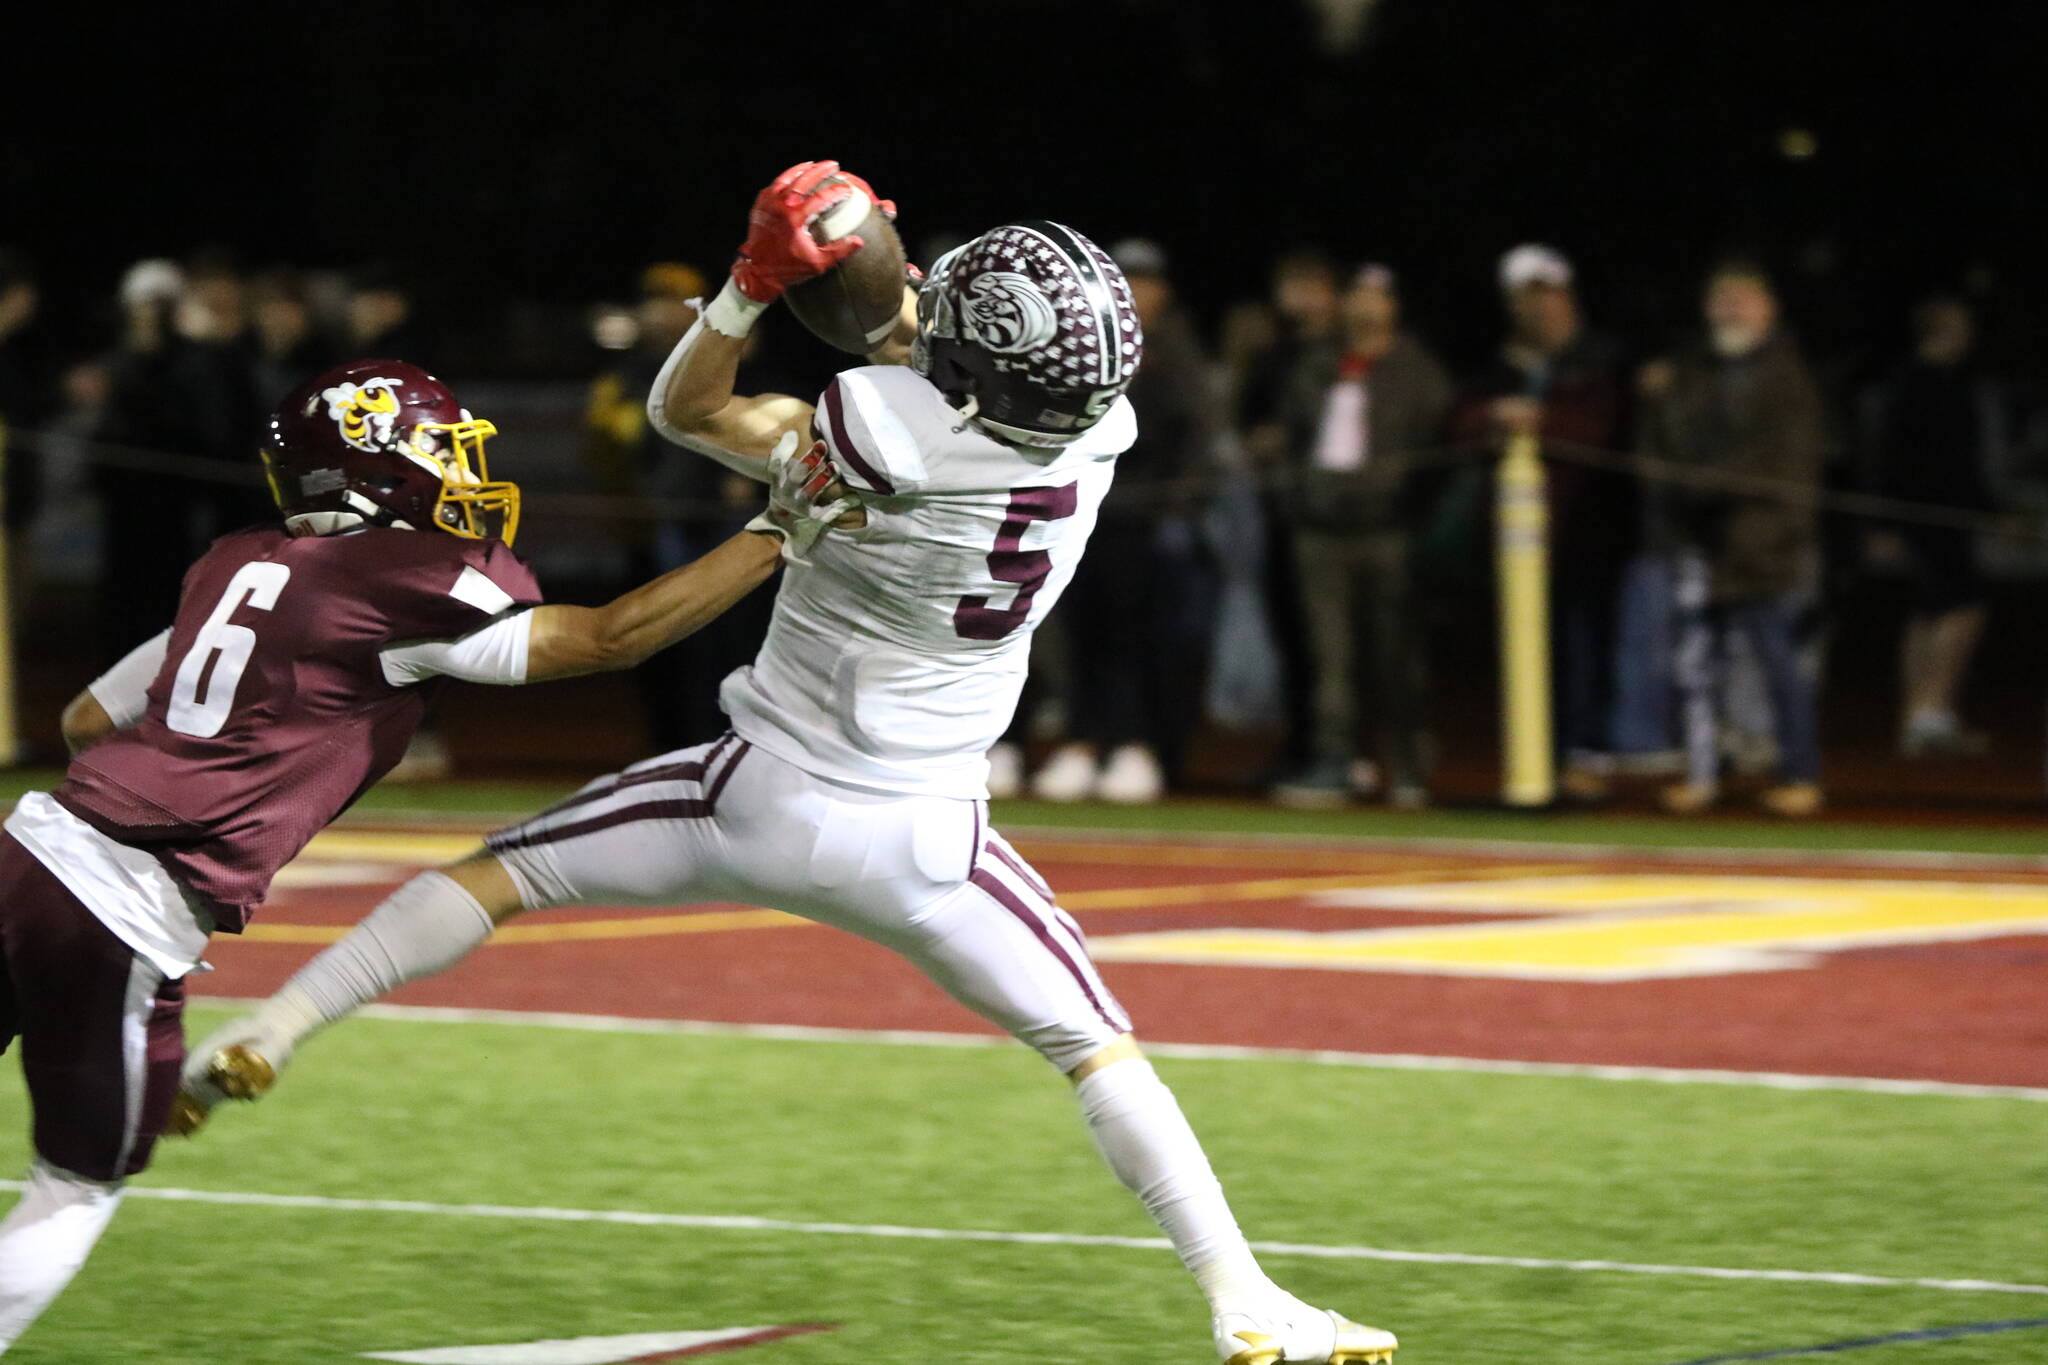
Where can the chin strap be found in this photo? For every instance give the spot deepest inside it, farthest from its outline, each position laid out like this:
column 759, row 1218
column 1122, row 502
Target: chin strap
column 967, row 411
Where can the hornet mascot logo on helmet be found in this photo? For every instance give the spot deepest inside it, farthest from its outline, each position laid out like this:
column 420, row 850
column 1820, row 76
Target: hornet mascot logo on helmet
column 1007, row 313
column 365, row 412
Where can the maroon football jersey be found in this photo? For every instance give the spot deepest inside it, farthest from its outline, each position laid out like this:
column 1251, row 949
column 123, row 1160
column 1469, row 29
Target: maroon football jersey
column 271, row 713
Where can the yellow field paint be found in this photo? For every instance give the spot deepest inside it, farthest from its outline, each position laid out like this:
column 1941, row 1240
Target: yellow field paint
column 1269, row 888
column 1106, row 854
column 645, row 926
column 398, row 847
column 1622, row 928
column 564, row 931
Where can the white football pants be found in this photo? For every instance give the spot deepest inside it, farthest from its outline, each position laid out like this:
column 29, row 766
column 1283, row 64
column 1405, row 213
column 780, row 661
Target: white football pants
column 923, row 875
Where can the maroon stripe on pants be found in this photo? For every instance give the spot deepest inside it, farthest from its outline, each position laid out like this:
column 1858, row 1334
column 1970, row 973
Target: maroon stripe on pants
column 1016, row 865
column 687, row 808
column 688, row 771
column 1005, row 897
column 842, row 444
column 725, row 774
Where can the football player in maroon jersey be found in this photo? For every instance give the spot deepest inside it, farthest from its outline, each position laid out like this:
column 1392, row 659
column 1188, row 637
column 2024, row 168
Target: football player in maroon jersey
column 302, row 658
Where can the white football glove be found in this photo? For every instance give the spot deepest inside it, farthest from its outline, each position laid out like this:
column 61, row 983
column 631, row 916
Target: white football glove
column 805, row 497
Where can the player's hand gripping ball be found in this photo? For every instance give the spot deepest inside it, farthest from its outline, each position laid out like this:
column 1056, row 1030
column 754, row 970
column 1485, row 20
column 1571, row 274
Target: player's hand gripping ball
column 855, row 304
column 783, row 245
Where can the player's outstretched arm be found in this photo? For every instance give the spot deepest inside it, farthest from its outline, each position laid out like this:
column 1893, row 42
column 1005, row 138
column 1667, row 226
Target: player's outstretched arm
column 692, row 402
column 565, row 642
column 805, row 500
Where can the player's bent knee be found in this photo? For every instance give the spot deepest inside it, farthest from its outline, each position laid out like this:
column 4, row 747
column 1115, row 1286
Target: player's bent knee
column 487, row 879
column 1125, row 1048
column 1075, row 1049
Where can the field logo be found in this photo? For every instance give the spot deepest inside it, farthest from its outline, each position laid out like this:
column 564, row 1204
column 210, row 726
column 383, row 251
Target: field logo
column 1614, row 927
column 1006, row 313
column 365, row 412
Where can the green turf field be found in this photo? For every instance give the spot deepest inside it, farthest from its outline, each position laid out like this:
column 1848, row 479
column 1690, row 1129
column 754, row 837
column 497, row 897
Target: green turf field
column 985, row 1138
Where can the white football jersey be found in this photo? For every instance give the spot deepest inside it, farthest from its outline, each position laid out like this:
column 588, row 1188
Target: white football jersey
column 896, row 654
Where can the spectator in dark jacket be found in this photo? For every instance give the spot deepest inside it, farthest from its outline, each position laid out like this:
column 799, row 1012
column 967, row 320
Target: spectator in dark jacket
column 628, row 459
column 1743, row 416
column 1933, row 430
column 1554, row 378
column 1357, row 410
column 1264, row 344
column 1138, row 610
column 180, row 385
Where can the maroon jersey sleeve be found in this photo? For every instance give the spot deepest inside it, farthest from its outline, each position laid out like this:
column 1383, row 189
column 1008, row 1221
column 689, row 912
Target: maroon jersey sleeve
column 443, row 595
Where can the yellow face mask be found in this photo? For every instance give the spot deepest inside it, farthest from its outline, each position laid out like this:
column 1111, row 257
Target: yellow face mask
column 470, row 505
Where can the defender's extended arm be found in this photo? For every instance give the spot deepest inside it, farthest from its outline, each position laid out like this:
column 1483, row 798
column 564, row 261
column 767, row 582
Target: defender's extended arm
column 549, row 642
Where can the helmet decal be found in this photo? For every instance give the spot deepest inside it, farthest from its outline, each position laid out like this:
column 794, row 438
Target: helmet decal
column 365, row 412
column 1005, row 312
column 383, row 443
column 1032, row 324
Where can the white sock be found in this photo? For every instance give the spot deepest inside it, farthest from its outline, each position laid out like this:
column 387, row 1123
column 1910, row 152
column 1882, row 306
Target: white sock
column 45, row 1240
column 1146, row 1140
column 426, row 926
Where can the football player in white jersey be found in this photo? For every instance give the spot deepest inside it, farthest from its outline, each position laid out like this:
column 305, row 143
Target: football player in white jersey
column 851, row 789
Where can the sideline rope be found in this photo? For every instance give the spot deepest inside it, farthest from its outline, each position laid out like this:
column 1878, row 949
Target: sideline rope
column 1646, row 468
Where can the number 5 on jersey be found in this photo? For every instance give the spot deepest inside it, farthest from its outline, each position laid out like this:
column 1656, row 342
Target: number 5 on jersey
column 1009, row 562
column 220, row 652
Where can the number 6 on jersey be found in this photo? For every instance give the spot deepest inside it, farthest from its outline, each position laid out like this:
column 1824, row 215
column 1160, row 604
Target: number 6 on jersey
column 220, row 652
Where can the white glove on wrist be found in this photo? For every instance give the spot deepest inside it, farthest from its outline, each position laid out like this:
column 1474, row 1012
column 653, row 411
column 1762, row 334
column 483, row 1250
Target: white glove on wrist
column 732, row 313
column 795, row 485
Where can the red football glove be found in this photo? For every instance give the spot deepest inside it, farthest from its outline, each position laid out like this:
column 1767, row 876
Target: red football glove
column 779, row 249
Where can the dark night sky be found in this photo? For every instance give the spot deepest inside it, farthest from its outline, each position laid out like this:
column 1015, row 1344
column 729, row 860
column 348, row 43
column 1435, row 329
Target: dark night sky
column 546, row 151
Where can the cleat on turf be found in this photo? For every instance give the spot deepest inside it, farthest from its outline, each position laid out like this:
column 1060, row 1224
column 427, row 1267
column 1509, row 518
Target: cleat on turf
column 234, row 1072
column 1289, row 1331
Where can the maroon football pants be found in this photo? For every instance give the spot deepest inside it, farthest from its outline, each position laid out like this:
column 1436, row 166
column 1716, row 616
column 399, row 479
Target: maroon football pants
column 102, row 1030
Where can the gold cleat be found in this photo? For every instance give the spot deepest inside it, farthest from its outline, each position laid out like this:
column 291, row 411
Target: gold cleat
column 1259, row 1349
column 1359, row 1345
column 1298, row 1332
column 233, row 1073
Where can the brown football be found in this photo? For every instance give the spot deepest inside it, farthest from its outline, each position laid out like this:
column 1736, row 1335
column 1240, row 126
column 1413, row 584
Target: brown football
column 854, row 305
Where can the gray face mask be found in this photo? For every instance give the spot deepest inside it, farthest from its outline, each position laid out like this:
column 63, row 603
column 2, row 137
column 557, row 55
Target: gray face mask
column 936, row 316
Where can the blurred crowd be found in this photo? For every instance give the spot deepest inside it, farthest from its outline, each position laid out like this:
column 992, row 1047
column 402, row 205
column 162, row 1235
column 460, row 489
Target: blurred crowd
column 1309, row 495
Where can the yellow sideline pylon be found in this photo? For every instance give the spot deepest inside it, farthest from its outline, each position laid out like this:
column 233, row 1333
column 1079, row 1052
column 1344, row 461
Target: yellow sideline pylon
column 1521, row 522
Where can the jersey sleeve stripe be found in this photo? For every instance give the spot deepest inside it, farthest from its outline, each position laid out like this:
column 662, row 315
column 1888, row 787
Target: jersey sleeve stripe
column 480, row 592
column 843, row 446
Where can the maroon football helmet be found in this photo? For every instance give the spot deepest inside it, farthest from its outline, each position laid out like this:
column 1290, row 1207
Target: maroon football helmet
column 384, row 443
column 1030, row 329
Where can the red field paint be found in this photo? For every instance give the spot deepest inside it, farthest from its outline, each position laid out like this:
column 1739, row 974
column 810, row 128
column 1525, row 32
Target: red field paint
column 1969, row 1009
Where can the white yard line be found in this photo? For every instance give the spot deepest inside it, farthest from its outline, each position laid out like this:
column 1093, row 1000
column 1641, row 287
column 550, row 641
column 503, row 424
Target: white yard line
column 1389, row 1061
column 737, row 1223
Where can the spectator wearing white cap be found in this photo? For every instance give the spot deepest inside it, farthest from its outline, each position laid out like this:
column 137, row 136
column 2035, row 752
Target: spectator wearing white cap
column 1553, row 377
column 1359, row 409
